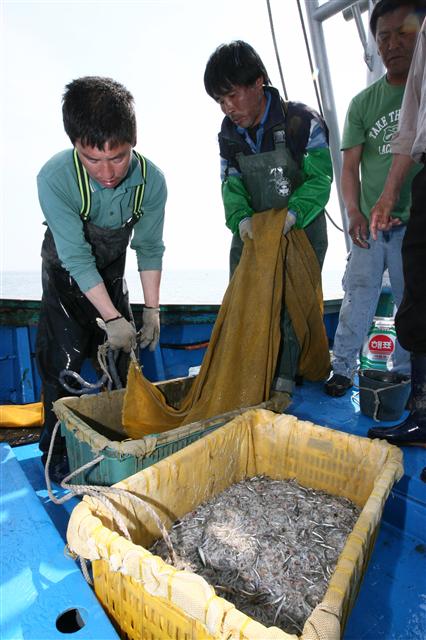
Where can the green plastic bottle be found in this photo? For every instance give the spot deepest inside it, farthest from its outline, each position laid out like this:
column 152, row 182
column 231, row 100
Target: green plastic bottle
column 379, row 344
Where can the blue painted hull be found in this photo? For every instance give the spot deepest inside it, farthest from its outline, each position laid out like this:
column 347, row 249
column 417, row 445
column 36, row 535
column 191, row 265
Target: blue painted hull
column 39, row 583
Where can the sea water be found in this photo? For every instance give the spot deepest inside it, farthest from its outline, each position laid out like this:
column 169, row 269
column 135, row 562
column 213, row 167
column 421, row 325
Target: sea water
column 180, row 286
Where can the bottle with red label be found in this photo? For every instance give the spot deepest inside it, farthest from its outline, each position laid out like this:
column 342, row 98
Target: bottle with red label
column 379, row 344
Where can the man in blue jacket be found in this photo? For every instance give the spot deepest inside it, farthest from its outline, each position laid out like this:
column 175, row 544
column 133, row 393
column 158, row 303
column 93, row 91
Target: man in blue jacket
column 274, row 154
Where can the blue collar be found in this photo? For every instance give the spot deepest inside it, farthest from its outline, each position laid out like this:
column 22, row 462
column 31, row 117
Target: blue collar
column 255, row 146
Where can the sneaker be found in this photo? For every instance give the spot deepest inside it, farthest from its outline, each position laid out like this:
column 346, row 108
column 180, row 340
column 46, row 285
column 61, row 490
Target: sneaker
column 337, row 385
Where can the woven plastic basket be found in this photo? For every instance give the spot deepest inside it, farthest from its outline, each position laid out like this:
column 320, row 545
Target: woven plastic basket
column 148, row 598
column 92, row 426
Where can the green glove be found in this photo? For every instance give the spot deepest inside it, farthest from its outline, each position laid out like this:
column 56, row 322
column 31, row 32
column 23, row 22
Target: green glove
column 149, row 335
column 121, row 334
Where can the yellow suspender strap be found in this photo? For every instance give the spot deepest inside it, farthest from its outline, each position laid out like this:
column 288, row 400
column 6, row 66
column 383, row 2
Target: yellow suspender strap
column 140, row 189
column 83, row 185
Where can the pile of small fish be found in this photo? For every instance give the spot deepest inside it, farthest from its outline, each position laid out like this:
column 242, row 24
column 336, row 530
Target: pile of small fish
column 268, row 546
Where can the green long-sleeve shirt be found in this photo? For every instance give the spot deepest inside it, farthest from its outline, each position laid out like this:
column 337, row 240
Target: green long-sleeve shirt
column 306, row 137
column 60, row 201
column 307, row 201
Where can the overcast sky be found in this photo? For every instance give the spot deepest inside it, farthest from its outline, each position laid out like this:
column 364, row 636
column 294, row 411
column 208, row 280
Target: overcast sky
column 158, row 49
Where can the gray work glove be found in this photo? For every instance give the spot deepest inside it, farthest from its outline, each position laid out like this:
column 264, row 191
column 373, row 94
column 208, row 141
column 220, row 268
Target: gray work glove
column 289, row 222
column 121, row 334
column 149, row 335
column 245, row 229
column 278, row 401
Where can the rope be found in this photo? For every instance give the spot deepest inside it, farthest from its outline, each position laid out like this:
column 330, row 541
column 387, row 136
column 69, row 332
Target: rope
column 332, row 221
column 86, row 387
column 302, row 21
column 99, row 493
column 308, row 51
column 317, row 93
column 103, row 361
column 277, row 55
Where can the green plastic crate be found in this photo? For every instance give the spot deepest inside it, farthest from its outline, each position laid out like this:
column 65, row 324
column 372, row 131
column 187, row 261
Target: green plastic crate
column 92, row 426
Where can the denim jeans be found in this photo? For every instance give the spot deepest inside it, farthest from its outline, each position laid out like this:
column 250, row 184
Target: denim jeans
column 362, row 284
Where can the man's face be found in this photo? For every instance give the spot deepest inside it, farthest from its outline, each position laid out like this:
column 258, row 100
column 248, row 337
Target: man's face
column 109, row 166
column 396, row 36
column 244, row 105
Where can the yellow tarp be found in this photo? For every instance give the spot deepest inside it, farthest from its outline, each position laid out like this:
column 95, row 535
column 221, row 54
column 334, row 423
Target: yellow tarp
column 22, row 415
column 239, row 365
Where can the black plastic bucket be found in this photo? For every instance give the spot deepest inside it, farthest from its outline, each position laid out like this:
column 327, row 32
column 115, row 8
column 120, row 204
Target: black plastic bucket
column 383, row 395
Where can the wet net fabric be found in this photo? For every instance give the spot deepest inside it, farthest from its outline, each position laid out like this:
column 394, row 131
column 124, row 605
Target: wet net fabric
column 238, row 367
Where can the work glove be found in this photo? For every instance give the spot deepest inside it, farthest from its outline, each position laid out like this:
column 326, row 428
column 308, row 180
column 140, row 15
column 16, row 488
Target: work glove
column 149, row 335
column 278, row 401
column 245, row 229
column 289, row 222
column 121, row 334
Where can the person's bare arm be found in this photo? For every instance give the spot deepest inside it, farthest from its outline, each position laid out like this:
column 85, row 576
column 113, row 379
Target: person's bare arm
column 151, row 287
column 350, row 183
column 99, row 297
column 149, row 335
column 380, row 217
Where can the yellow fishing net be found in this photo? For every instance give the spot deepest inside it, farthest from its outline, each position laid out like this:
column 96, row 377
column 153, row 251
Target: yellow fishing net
column 239, row 364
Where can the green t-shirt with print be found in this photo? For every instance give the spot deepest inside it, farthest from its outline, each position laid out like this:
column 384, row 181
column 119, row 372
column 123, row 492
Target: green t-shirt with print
column 372, row 120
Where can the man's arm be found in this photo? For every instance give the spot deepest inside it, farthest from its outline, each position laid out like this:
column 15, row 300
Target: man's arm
column 235, row 197
column 151, row 287
column 380, row 218
column 99, row 297
column 407, row 143
column 310, row 198
column 358, row 226
column 150, row 332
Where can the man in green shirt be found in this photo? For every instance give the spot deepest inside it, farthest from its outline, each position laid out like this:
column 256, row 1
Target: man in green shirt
column 371, row 123
column 95, row 198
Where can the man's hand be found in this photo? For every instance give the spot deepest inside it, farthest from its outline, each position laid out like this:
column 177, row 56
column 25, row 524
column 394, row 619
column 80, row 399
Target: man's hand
column 149, row 335
column 245, row 229
column 380, row 216
column 358, row 229
column 121, row 334
column 289, row 222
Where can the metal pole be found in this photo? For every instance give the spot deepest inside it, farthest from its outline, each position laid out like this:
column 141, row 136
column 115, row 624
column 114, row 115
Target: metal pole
column 375, row 68
column 329, row 9
column 327, row 96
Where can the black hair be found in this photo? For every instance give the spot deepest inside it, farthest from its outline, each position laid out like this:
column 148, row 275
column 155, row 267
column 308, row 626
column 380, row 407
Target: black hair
column 236, row 63
column 387, row 6
column 98, row 110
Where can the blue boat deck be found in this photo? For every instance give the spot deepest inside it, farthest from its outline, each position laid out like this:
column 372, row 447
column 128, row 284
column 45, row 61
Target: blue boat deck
column 39, row 583
column 43, row 593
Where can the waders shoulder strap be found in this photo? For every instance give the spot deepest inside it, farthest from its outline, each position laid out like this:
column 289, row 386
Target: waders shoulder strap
column 83, row 185
column 140, row 189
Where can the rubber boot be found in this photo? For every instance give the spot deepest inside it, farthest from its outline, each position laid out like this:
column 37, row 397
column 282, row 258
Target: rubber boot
column 413, row 430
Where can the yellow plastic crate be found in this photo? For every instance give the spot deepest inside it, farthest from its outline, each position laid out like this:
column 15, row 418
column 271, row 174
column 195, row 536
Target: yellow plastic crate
column 149, row 599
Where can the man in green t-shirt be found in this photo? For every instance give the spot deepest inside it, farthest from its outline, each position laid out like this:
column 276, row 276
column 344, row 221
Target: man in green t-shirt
column 371, row 123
